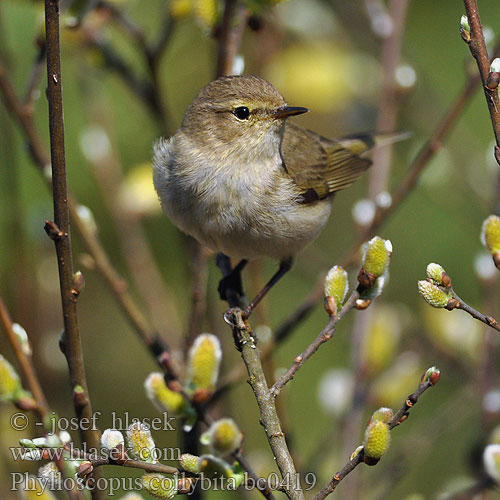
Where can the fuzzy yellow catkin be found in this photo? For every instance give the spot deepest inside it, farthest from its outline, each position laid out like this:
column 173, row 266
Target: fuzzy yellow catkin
column 190, row 462
column 140, row 442
column 159, row 486
column 203, row 362
column 433, row 295
column 376, row 256
column 225, row 437
column 162, row 397
column 336, row 284
column 10, row 383
column 206, row 12
column 490, row 234
column 180, row 8
column 377, row 439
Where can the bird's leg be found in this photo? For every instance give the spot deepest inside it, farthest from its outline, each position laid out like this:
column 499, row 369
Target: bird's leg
column 285, row 266
column 230, row 286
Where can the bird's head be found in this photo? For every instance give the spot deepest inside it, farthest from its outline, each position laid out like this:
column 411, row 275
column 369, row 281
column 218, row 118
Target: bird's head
column 238, row 114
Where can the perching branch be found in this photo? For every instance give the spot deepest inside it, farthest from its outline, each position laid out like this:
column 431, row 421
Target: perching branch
column 398, row 418
column 458, row 303
column 245, row 342
column 61, row 231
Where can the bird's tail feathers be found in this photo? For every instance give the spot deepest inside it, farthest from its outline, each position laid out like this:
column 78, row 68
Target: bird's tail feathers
column 360, row 143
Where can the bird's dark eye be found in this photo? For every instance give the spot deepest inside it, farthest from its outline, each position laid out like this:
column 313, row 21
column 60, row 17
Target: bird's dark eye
column 242, row 113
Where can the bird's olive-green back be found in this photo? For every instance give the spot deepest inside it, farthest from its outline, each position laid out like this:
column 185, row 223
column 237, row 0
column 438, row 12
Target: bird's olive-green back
column 320, row 166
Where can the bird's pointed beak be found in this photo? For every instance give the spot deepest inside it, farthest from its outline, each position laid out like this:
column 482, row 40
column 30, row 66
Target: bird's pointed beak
column 286, row 111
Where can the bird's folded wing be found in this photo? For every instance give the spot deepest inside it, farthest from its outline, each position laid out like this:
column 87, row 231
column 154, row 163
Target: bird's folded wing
column 320, row 167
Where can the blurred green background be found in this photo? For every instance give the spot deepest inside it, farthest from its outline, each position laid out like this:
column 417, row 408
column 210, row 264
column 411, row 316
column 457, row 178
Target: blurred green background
column 324, row 55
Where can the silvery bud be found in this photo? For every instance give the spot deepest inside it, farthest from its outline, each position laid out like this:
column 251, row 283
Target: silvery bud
column 491, row 461
column 436, row 273
column 111, row 439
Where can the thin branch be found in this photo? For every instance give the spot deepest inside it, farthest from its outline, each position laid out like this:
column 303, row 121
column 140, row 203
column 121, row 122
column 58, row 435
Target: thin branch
column 325, row 335
column 230, row 36
column 398, row 418
column 245, row 342
column 137, row 464
column 26, row 365
column 32, row 90
column 458, row 303
column 388, row 109
column 61, row 235
column 140, row 87
column 127, row 25
column 477, row 47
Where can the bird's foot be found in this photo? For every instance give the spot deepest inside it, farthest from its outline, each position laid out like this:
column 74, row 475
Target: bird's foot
column 231, row 286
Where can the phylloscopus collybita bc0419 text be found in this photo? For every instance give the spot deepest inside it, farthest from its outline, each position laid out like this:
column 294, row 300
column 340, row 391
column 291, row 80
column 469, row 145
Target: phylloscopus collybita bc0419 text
column 246, row 182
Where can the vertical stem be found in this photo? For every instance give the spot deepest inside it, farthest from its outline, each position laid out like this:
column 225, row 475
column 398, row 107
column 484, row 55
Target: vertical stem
column 230, row 36
column 73, row 347
column 477, row 47
column 386, row 121
column 246, row 343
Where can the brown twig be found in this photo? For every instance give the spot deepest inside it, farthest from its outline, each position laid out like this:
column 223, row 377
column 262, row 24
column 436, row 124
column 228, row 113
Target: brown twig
column 32, row 90
column 141, row 87
column 25, row 363
column 148, row 90
column 73, row 347
column 245, row 342
column 127, row 25
column 477, row 47
column 388, row 110
column 137, row 464
column 325, row 335
column 457, row 303
column 230, row 35
column 398, row 418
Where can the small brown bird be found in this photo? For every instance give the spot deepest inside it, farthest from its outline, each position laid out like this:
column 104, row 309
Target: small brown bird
column 246, row 182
